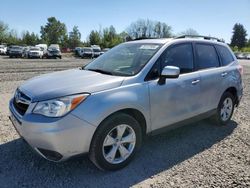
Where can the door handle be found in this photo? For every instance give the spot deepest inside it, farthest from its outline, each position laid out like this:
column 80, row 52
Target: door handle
column 223, row 74
column 194, row 82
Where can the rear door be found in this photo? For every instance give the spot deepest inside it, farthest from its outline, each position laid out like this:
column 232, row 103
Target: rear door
column 179, row 98
column 208, row 65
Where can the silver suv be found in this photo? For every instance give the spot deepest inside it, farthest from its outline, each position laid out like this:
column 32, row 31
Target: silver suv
column 137, row 88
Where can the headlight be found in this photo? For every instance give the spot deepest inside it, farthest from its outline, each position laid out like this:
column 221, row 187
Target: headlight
column 59, row 107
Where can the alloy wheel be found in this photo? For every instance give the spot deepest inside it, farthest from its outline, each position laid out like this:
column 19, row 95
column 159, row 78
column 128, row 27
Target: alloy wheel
column 226, row 109
column 119, row 144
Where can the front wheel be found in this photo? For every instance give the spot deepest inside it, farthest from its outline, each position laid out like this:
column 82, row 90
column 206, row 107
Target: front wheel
column 225, row 109
column 115, row 142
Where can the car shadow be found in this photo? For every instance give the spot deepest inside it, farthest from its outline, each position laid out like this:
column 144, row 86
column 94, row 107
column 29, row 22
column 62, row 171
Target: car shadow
column 21, row 167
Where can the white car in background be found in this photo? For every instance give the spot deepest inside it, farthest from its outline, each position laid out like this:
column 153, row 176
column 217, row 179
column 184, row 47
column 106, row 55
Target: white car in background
column 44, row 48
column 35, row 52
column 97, row 50
column 3, row 50
column 248, row 56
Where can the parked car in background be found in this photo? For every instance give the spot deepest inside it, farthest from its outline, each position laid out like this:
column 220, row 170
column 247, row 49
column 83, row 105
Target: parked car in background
column 87, row 52
column 53, row 53
column 141, row 87
column 44, row 48
column 96, row 50
column 104, row 50
column 35, row 52
column 16, row 51
column 8, row 49
column 26, row 51
column 3, row 50
column 248, row 56
column 240, row 56
column 78, row 51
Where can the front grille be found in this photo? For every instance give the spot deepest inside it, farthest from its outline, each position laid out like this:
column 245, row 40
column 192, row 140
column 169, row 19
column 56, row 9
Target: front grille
column 21, row 102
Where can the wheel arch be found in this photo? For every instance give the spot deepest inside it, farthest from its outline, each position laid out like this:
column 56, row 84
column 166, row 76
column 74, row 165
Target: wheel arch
column 233, row 91
column 138, row 115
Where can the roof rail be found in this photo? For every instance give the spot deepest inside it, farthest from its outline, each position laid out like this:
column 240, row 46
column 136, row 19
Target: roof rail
column 199, row 36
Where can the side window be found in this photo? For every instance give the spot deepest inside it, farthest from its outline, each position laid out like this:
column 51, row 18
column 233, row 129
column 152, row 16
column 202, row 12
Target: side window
column 206, row 56
column 180, row 56
column 225, row 55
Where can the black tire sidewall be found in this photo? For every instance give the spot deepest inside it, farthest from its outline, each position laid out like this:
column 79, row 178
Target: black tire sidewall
column 96, row 154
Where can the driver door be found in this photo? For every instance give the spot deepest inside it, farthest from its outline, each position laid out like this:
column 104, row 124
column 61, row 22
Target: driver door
column 178, row 98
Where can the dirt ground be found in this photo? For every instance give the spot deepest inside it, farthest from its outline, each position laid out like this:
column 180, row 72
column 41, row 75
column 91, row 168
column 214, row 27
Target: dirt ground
column 197, row 155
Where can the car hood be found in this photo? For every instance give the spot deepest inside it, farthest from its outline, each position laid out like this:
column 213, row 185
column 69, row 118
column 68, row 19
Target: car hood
column 68, row 82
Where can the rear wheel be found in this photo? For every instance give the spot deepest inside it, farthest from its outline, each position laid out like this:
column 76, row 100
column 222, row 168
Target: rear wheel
column 225, row 109
column 115, row 142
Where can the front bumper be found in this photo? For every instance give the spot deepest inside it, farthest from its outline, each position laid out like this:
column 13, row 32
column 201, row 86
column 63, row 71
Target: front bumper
column 54, row 56
column 34, row 55
column 87, row 55
column 55, row 139
column 16, row 54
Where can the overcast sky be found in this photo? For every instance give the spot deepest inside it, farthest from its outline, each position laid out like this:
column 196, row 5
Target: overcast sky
column 207, row 17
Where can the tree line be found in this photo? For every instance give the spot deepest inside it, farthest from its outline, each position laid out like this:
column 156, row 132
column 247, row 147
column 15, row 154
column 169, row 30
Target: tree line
column 55, row 32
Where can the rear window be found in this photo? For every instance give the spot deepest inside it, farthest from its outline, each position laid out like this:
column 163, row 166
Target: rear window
column 206, row 56
column 225, row 54
column 96, row 50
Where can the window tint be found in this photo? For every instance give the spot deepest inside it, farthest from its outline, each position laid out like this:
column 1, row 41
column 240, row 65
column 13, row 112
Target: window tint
column 225, row 55
column 206, row 56
column 180, row 56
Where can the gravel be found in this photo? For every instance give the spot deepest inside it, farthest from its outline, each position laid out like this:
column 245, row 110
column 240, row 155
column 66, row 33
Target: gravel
column 197, row 155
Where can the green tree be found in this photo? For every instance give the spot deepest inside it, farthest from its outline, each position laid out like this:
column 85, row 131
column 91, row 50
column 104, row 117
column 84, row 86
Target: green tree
column 12, row 38
column 239, row 36
column 124, row 36
column 110, row 38
column 74, row 38
column 3, row 32
column 94, row 38
column 30, row 39
column 248, row 43
column 54, row 32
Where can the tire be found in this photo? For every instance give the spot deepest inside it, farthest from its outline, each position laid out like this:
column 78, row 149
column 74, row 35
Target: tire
column 107, row 131
column 222, row 118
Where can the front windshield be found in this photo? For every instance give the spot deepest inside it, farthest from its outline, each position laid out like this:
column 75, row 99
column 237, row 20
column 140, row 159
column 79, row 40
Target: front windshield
column 125, row 59
column 87, row 50
column 16, row 48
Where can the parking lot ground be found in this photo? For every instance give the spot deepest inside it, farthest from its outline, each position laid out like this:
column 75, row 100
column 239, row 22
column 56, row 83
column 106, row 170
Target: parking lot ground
column 197, row 155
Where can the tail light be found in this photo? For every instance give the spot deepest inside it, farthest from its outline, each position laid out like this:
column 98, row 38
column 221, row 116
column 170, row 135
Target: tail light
column 240, row 68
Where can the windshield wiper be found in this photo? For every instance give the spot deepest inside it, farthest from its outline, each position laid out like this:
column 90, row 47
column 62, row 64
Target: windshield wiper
column 100, row 71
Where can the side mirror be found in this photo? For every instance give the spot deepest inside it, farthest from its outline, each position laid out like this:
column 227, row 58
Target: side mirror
column 169, row 72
